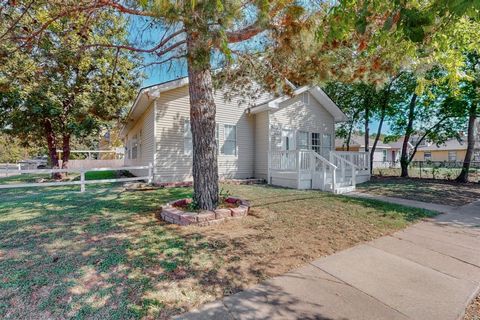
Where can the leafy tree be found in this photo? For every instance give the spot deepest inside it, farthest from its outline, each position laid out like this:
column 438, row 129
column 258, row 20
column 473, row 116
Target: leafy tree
column 469, row 100
column 66, row 91
column 195, row 31
column 427, row 115
column 11, row 150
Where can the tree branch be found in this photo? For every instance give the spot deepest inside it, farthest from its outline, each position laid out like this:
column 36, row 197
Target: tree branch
column 17, row 20
column 151, row 50
column 163, row 61
column 424, row 136
column 125, row 9
column 244, row 34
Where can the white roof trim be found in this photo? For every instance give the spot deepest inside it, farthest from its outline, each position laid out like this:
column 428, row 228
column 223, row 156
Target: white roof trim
column 316, row 92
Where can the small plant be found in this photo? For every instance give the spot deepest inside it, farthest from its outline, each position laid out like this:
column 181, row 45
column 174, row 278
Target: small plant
column 448, row 175
column 192, row 206
column 435, row 171
column 224, row 194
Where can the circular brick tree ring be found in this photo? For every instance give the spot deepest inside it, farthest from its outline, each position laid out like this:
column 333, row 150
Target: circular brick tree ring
column 175, row 212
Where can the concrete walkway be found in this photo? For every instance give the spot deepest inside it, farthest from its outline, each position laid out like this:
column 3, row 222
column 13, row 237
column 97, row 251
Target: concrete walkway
column 430, row 270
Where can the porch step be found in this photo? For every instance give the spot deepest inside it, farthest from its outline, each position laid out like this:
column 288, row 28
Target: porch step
column 341, row 190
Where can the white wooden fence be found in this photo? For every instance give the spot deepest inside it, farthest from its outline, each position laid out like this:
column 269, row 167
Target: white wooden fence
column 82, row 181
column 8, row 169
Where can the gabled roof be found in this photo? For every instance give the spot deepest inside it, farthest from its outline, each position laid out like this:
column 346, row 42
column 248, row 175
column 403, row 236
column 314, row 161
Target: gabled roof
column 453, row 144
column 315, row 91
column 398, row 144
column 147, row 95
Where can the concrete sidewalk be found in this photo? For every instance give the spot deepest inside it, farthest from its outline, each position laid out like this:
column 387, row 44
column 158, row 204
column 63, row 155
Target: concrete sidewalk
column 430, row 270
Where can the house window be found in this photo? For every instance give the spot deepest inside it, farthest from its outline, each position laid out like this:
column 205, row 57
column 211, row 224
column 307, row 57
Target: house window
column 302, row 140
column 230, row 140
column 384, row 154
column 187, row 138
column 306, row 98
column 452, row 155
column 427, row 156
column 315, row 142
column 476, row 156
column 134, row 144
column 326, row 145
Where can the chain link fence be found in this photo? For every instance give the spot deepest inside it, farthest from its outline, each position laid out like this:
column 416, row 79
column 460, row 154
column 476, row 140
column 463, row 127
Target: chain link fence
column 447, row 170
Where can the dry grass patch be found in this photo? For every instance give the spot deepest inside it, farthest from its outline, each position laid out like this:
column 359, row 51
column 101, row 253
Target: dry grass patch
column 473, row 310
column 103, row 254
column 427, row 190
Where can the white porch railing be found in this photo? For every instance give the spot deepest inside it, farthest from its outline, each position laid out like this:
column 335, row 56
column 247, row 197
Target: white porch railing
column 324, row 174
column 290, row 160
column 348, row 170
column 360, row 159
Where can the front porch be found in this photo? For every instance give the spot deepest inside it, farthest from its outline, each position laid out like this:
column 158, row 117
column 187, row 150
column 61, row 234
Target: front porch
column 306, row 169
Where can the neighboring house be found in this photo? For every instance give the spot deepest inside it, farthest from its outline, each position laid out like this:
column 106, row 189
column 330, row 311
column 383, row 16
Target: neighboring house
column 279, row 139
column 385, row 155
column 451, row 151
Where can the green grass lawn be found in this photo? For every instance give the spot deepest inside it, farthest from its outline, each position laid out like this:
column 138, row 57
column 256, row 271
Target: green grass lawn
column 103, row 254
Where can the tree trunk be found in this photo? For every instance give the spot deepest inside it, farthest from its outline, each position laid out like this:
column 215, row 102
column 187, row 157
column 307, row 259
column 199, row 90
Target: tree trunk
column 404, row 159
column 350, row 129
column 367, row 127
column 349, row 137
column 66, row 151
column 202, row 121
column 383, row 113
column 52, row 147
column 463, row 176
column 377, row 137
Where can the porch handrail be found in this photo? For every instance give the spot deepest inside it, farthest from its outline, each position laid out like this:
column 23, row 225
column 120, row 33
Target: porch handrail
column 345, row 162
column 325, row 160
column 362, row 157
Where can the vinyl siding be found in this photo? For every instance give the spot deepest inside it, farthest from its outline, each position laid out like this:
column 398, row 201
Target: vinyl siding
column 261, row 145
column 171, row 162
column 440, row 155
column 145, row 154
column 294, row 114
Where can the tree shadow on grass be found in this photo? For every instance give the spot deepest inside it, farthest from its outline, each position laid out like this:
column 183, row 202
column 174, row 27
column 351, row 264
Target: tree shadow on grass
column 103, row 254
column 426, row 190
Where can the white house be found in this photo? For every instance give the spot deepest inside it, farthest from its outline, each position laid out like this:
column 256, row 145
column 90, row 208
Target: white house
column 287, row 140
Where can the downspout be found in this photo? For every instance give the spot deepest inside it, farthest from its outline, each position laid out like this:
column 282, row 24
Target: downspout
column 269, row 177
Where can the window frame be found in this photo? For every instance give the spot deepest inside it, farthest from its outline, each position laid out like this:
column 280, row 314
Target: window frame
column 316, row 147
column 326, row 148
column 134, row 143
column 225, row 140
column 450, row 152
column 301, row 146
column 384, row 155
column 306, row 98
column 429, row 158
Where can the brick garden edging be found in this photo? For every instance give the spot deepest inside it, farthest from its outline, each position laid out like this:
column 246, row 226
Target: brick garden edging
column 173, row 214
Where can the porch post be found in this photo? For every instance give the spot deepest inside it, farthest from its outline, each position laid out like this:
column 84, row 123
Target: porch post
column 299, row 165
